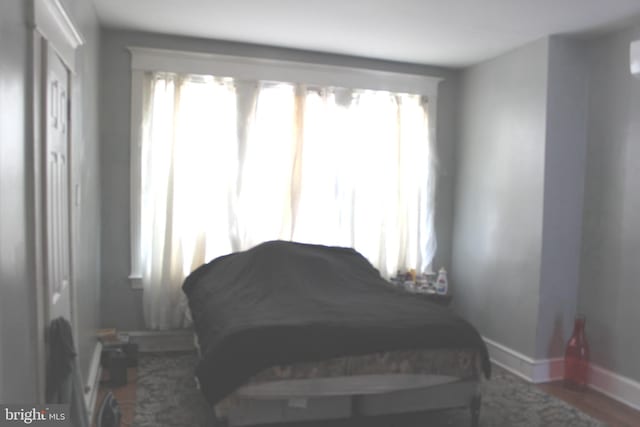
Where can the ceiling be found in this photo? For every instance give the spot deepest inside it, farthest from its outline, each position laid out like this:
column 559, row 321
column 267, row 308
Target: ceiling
column 451, row 33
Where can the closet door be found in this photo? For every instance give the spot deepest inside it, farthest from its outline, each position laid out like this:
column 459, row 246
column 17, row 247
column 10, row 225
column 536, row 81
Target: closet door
column 56, row 188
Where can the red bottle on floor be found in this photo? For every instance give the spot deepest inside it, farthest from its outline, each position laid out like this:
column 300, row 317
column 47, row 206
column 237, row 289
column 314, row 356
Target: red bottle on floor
column 576, row 357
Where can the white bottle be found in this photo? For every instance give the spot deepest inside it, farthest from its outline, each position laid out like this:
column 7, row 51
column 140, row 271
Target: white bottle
column 442, row 286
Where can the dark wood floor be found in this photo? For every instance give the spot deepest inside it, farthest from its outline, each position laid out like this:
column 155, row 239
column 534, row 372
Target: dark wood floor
column 599, row 406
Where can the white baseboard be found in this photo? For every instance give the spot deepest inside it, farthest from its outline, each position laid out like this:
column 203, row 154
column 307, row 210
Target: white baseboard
column 617, row 387
column 546, row 370
column 93, row 380
column 149, row 341
column 535, row 371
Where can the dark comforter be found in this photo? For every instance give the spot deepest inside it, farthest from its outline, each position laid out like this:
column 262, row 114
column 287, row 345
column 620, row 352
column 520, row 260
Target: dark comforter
column 282, row 302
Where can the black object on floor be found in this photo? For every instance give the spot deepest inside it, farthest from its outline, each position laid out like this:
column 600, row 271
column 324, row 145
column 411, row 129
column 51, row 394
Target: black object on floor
column 109, row 414
column 131, row 351
column 116, row 363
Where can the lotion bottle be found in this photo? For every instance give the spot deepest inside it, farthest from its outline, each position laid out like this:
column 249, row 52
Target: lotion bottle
column 442, row 286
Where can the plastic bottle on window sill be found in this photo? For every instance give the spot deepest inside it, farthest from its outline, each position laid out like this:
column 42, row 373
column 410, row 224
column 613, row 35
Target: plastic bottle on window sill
column 442, row 285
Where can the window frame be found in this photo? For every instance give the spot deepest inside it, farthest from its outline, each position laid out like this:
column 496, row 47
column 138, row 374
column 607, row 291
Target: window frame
column 145, row 59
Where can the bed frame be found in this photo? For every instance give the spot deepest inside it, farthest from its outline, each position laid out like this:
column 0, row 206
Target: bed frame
column 349, row 397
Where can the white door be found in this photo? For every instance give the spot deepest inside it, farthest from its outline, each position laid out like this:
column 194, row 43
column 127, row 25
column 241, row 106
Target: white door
column 56, row 188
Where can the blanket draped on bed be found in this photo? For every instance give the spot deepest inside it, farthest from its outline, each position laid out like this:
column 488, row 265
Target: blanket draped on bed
column 282, row 302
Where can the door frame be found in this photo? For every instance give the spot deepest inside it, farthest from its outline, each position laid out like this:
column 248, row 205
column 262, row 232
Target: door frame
column 50, row 27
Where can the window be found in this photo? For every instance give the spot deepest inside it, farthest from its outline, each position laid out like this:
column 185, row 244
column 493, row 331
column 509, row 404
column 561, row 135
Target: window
column 221, row 164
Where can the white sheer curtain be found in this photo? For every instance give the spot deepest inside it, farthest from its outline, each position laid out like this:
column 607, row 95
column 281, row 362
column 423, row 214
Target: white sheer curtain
column 227, row 165
column 189, row 169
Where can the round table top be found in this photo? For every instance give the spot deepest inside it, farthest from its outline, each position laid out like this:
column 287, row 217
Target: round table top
column 342, row 386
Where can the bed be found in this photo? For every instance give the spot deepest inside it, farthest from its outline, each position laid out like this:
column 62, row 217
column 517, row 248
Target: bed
column 295, row 332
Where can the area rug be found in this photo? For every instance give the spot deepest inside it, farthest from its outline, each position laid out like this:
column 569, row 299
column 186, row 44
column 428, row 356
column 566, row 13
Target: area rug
column 167, row 397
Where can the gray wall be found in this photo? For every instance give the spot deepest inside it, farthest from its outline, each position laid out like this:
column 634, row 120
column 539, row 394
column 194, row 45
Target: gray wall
column 86, row 173
column 610, row 269
column 17, row 380
column 564, row 173
column 518, row 212
column 17, row 299
column 121, row 306
column 499, row 195
column 547, row 198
